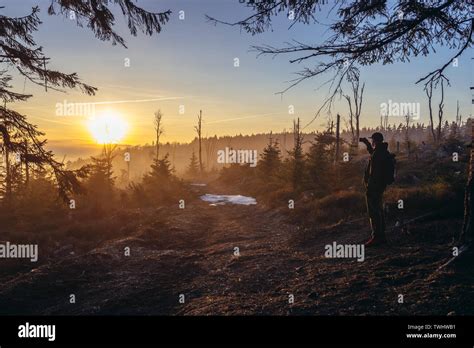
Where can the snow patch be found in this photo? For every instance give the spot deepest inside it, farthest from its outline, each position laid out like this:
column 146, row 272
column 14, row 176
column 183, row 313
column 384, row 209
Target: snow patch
column 223, row 199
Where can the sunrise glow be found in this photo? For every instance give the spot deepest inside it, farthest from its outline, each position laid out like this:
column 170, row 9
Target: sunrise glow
column 108, row 128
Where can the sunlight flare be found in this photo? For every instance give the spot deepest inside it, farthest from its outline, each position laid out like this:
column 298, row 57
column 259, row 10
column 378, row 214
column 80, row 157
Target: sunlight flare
column 107, row 128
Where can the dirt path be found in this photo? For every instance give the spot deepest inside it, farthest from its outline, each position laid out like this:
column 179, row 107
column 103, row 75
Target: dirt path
column 191, row 252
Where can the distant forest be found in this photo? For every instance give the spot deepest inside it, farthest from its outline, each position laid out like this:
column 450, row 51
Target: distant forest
column 414, row 138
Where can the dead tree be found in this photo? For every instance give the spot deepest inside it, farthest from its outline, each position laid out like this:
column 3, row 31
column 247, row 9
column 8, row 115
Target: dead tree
column 363, row 33
column 429, row 94
column 407, row 133
column 297, row 154
column 436, row 131
column 158, row 131
column 440, row 113
column 458, row 115
column 198, row 129
column 338, row 122
column 6, row 150
column 356, row 109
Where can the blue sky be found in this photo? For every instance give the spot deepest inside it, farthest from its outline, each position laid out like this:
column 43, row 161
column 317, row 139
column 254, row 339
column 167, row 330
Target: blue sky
column 191, row 63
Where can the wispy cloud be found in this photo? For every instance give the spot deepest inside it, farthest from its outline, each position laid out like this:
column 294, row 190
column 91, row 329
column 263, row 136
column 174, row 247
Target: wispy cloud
column 135, row 100
column 55, row 120
column 244, row 117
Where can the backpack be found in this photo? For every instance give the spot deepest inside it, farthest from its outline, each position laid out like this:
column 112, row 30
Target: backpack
column 390, row 169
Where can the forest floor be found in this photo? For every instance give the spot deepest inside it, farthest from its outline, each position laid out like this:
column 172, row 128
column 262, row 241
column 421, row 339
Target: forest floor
column 191, row 252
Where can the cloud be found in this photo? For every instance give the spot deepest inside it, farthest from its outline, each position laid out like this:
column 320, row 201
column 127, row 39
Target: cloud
column 244, row 117
column 135, row 100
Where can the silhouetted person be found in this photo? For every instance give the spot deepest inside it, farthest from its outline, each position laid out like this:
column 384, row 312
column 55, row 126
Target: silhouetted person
column 378, row 174
column 466, row 239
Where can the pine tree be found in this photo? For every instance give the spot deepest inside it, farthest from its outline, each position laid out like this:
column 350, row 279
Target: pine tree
column 161, row 171
column 319, row 161
column 99, row 186
column 296, row 156
column 270, row 161
column 101, row 172
column 160, row 185
column 193, row 168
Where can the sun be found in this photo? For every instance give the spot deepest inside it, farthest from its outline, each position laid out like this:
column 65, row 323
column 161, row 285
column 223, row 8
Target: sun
column 107, row 128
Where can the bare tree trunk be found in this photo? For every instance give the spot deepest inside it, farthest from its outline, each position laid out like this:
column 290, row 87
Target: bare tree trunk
column 27, row 168
column 128, row 168
column 8, row 188
column 407, row 133
column 440, row 112
column 338, row 121
column 8, row 174
column 429, row 94
column 359, row 109
column 198, row 129
column 351, row 119
column 354, row 113
column 297, row 153
column 458, row 117
column 159, row 131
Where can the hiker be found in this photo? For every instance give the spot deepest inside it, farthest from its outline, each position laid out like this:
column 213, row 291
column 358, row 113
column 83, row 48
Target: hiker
column 378, row 174
column 466, row 238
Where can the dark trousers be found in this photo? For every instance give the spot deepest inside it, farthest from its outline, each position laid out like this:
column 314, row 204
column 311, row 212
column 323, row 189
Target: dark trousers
column 467, row 234
column 374, row 199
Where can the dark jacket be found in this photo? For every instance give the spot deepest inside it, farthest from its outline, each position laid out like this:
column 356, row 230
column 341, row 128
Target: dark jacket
column 374, row 176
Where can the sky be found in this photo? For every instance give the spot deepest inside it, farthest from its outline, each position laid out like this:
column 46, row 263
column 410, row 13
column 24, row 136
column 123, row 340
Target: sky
column 191, row 64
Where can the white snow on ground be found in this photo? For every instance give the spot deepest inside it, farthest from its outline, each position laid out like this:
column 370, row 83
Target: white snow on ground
column 232, row 199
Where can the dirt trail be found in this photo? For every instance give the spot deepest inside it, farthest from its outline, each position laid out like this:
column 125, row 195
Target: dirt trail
column 191, row 251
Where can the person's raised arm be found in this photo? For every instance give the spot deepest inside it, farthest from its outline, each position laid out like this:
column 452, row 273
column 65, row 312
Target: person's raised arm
column 370, row 149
